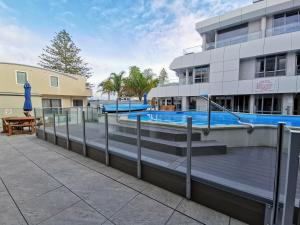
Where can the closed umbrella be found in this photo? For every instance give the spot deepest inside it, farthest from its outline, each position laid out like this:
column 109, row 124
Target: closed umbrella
column 27, row 104
column 145, row 99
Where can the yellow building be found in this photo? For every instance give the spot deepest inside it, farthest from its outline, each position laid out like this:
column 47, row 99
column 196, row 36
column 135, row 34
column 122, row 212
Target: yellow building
column 49, row 88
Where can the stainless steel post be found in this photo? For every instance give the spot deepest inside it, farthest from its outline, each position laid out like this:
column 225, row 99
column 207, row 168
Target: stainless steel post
column 291, row 178
column 139, row 150
column 129, row 105
column 189, row 157
column 35, row 127
column 106, row 140
column 54, row 129
column 83, row 135
column 274, row 215
column 44, row 124
column 77, row 115
column 67, row 130
column 209, row 113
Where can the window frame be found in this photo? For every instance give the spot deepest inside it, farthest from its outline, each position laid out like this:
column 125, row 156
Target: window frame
column 274, row 73
column 20, row 71
column 203, row 76
column 297, row 69
column 51, row 81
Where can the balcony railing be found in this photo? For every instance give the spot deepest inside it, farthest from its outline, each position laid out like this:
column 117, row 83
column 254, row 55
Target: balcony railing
column 194, row 49
column 288, row 28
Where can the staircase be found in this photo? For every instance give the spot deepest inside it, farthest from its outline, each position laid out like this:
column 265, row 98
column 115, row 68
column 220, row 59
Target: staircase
column 165, row 140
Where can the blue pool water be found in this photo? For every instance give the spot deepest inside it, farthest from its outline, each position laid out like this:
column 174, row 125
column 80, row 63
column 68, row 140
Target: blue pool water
column 217, row 118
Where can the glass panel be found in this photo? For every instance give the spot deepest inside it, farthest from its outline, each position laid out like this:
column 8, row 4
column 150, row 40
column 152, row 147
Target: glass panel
column 260, row 67
column 201, row 74
column 298, row 65
column 292, row 20
column 278, row 24
column 21, row 77
column 270, row 66
column 233, row 35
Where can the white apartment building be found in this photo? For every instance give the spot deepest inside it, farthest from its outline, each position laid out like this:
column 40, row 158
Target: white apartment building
column 249, row 62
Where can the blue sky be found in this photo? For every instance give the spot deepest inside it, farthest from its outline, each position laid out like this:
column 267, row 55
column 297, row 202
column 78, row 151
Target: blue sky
column 113, row 34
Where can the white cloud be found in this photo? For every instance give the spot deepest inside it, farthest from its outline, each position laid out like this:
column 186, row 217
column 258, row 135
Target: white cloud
column 17, row 44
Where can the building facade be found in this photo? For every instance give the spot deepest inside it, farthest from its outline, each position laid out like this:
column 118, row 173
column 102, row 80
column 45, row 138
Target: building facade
column 249, row 62
column 50, row 89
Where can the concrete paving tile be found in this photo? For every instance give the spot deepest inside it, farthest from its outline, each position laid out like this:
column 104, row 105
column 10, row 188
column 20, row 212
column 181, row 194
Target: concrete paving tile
column 9, row 214
column 29, row 183
column 45, row 206
column 202, row 213
column 133, row 182
column 142, row 210
column 110, row 172
column 170, row 199
column 236, row 222
column 107, row 222
column 78, row 214
column 107, row 196
column 180, row 219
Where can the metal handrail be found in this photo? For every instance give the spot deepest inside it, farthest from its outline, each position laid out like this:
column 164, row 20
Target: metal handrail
column 226, row 110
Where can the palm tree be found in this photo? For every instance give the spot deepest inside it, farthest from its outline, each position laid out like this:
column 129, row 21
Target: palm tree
column 106, row 87
column 117, row 84
column 138, row 83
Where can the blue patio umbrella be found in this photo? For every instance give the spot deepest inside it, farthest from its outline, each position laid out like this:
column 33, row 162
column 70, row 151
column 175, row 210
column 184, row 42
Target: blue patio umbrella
column 145, row 99
column 27, row 93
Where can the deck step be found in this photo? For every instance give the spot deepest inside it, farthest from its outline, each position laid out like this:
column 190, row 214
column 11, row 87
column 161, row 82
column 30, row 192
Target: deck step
column 158, row 132
column 169, row 146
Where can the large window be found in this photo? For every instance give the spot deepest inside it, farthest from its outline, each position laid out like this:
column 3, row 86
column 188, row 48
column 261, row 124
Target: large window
column 202, row 74
column 286, row 22
column 53, row 81
column 192, row 103
column 232, row 35
column 51, row 105
column 77, row 102
column 21, row 77
column 271, row 66
column 241, row 103
column 268, row 104
column 298, row 64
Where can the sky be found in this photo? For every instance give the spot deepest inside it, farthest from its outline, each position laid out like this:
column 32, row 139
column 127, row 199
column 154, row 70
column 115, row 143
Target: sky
column 112, row 34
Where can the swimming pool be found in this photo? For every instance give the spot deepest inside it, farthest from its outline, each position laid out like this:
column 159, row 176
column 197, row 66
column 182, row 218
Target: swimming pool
column 217, row 118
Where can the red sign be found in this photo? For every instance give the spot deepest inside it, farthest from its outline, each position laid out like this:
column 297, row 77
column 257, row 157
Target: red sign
column 264, row 86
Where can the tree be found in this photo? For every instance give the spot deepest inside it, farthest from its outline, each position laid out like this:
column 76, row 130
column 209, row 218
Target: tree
column 163, row 76
column 138, row 83
column 106, row 87
column 63, row 56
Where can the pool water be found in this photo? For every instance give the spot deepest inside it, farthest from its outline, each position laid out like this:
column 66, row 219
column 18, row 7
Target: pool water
column 217, row 118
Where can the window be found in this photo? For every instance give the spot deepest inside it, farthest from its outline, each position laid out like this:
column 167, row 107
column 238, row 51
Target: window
column 51, row 105
column 241, row 103
column 268, row 104
column 298, row 64
column 271, row 66
column 77, row 102
column 233, row 35
column 286, row 22
column 21, row 77
column 53, row 81
column 202, row 74
column 192, row 103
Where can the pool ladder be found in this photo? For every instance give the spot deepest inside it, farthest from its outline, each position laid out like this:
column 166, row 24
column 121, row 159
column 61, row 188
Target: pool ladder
column 210, row 102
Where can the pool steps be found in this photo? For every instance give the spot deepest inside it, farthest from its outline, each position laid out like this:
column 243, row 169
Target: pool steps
column 167, row 140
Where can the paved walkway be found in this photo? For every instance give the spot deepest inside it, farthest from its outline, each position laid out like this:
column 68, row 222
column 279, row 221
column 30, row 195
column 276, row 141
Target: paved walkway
column 41, row 183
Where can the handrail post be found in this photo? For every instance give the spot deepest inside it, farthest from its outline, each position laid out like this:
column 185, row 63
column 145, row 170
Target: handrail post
column 67, row 131
column 274, row 215
column 83, row 134
column 54, row 129
column 106, row 140
column 44, row 124
column 189, row 157
column 291, row 178
column 139, row 150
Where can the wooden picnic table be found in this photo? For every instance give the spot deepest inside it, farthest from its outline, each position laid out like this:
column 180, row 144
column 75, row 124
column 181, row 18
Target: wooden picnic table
column 11, row 124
